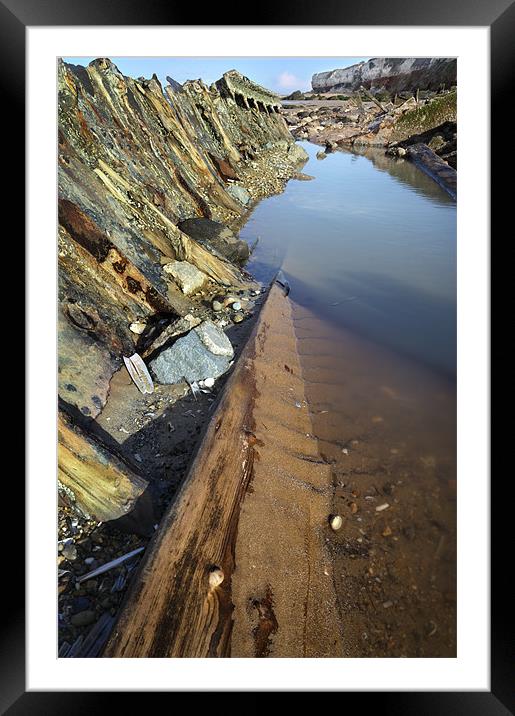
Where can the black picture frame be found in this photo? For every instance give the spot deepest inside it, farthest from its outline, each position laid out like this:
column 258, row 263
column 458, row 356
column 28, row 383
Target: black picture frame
column 15, row 17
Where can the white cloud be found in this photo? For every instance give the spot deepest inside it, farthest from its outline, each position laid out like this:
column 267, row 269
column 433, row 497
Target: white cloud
column 288, row 81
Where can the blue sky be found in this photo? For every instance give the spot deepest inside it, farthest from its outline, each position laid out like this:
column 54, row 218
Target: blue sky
column 280, row 74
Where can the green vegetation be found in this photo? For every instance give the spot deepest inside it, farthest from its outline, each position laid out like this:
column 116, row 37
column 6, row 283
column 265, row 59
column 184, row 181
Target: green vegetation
column 439, row 110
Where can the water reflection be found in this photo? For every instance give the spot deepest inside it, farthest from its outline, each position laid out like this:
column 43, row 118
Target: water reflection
column 369, row 245
column 404, row 171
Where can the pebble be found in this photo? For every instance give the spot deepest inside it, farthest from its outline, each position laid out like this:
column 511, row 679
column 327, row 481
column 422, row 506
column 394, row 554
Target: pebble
column 216, row 577
column 84, row 618
column 137, row 327
column 217, row 306
column 336, row 522
column 70, row 551
column 238, row 318
column 236, row 306
column 380, row 508
column 81, row 604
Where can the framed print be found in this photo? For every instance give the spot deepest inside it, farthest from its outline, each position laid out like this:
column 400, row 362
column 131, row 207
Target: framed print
column 265, row 320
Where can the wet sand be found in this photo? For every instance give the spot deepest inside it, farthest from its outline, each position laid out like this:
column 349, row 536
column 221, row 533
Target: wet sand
column 387, row 427
column 312, row 423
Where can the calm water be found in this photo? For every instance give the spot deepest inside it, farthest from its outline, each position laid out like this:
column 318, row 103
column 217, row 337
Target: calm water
column 370, row 245
column 369, row 248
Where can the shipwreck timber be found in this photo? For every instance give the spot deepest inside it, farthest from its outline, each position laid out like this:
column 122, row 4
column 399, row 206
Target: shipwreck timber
column 136, row 160
column 239, row 567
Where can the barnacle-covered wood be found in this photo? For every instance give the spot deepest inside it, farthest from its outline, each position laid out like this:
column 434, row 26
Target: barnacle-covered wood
column 134, row 161
column 98, row 481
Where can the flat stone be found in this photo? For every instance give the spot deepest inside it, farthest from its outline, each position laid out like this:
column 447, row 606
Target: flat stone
column 187, row 276
column 205, row 352
column 239, row 193
column 85, row 369
column 214, row 339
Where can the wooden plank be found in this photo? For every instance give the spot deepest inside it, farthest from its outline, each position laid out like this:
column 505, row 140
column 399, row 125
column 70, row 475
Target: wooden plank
column 99, row 482
column 239, row 566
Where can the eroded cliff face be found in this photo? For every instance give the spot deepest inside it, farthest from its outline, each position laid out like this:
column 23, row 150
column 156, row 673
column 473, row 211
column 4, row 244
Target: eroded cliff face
column 389, row 73
column 134, row 161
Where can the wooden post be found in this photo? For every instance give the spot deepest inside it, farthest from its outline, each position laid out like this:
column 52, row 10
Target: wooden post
column 373, row 99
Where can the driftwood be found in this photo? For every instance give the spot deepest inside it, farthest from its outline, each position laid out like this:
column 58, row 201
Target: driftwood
column 435, row 167
column 239, row 565
column 99, row 482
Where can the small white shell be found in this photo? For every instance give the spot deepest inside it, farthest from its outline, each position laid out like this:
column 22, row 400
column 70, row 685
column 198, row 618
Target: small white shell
column 336, row 522
column 216, row 577
column 380, row 508
column 139, row 373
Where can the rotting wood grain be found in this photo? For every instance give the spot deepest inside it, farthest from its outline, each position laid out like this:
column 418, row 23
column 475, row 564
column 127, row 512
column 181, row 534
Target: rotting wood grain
column 244, row 510
column 101, row 484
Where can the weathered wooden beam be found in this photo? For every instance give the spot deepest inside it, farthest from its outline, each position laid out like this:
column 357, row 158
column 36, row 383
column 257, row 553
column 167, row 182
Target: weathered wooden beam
column 97, row 480
column 373, row 99
column 435, row 167
column 240, row 566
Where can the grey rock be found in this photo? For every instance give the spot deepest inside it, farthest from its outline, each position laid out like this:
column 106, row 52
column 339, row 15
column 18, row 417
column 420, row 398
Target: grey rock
column 236, row 306
column 83, row 618
column 70, row 551
column 187, row 276
column 217, row 306
column 239, row 193
column 297, row 153
column 205, row 352
column 214, row 339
